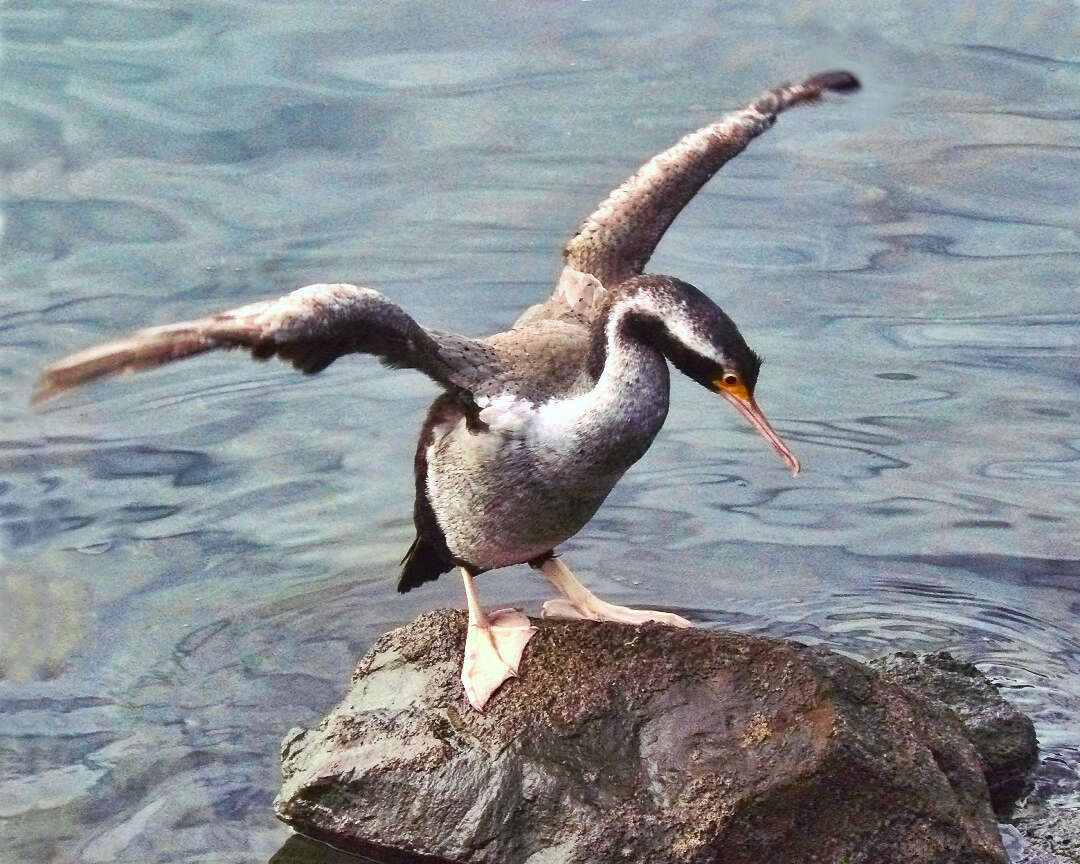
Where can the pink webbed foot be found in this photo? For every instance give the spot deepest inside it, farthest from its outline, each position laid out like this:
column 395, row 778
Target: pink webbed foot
column 599, row 610
column 580, row 604
column 493, row 649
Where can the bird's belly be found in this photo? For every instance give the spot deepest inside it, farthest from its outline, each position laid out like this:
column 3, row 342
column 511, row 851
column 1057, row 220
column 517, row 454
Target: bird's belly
column 498, row 504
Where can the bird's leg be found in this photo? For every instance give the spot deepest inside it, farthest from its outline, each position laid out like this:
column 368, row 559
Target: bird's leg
column 493, row 646
column 580, row 603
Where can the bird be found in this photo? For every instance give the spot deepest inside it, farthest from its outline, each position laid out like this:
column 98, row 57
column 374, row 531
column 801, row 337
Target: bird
column 534, row 425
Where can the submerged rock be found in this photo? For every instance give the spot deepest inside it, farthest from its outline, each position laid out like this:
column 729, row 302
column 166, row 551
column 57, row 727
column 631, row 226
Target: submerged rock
column 637, row 744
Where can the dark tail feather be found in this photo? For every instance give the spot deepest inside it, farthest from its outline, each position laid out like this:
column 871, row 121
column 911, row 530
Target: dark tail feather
column 422, row 563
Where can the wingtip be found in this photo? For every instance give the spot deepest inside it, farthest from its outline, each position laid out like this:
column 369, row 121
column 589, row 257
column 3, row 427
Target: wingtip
column 47, row 388
column 837, row 80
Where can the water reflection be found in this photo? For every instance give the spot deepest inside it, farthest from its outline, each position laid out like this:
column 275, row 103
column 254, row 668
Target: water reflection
column 191, row 561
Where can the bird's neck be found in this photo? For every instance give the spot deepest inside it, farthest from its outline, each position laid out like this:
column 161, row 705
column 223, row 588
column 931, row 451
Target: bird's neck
column 629, row 400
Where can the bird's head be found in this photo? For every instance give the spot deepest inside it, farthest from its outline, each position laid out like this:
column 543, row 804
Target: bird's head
column 703, row 343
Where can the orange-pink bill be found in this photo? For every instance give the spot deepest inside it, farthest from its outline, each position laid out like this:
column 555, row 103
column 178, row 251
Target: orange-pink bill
column 746, row 406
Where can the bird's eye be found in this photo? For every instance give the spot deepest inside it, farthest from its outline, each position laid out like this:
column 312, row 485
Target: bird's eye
column 730, row 380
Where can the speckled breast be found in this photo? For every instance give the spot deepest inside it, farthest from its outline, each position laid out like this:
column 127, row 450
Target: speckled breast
column 500, row 500
column 499, row 504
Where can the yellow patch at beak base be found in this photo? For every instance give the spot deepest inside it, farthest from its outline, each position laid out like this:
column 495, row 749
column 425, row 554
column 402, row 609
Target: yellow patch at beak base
column 738, row 389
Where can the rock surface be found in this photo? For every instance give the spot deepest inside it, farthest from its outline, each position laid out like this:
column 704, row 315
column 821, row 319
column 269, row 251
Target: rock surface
column 1002, row 736
column 647, row 744
column 1045, row 835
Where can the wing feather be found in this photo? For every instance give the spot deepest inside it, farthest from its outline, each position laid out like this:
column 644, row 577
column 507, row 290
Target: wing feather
column 311, row 328
column 617, row 240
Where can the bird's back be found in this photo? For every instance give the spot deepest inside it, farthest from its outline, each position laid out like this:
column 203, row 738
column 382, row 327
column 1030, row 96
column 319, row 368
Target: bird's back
column 544, row 359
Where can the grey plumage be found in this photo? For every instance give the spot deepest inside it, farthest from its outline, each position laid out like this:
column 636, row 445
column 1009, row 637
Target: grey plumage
column 537, row 423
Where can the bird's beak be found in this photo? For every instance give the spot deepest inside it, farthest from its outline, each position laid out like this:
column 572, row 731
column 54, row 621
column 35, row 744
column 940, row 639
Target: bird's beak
column 738, row 396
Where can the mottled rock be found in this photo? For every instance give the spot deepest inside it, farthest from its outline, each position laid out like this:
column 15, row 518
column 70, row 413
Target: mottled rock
column 646, row 744
column 1003, row 737
column 1054, row 831
column 1045, row 834
column 1046, row 826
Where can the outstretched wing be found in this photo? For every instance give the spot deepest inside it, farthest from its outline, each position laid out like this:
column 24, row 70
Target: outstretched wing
column 311, row 327
column 617, row 240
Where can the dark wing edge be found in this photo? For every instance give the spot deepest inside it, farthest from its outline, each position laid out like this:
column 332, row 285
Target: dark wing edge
column 616, row 241
column 311, row 327
column 428, row 556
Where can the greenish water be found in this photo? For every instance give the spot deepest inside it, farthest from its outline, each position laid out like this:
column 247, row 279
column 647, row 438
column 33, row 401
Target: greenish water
column 192, row 560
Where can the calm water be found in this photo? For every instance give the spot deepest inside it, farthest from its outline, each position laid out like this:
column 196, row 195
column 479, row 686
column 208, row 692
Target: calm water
column 193, row 559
